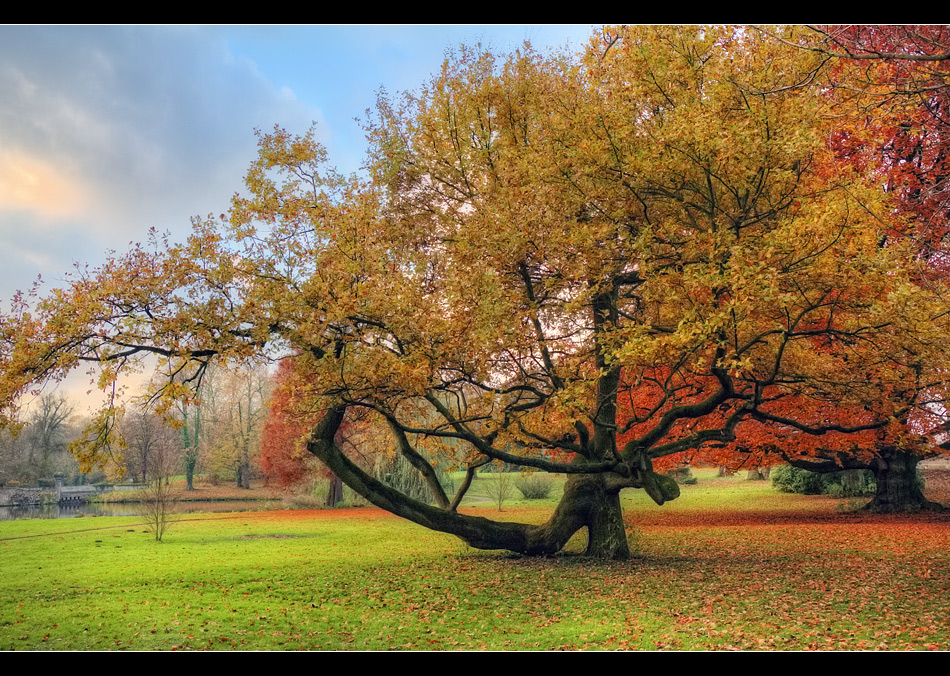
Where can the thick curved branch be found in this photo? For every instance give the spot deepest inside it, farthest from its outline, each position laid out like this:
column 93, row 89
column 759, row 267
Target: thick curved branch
column 816, row 430
column 699, row 409
column 487, row 449
column 479, row 532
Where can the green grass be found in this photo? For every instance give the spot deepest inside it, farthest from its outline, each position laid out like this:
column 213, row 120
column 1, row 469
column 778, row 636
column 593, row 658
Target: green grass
column 711, row 493
column 731, row 564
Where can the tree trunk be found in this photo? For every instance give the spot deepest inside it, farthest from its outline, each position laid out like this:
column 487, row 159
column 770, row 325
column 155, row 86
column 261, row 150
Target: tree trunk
column 586, row 503
column 190, row 446
column 190, row 475
column 190, row 462
column 606, row 534
column 897, row 487
column 335, row 493
column 244, row 480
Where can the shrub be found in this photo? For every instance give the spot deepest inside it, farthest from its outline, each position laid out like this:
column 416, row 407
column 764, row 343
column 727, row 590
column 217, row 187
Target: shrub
column 844, row 484
column 682, row 475
column 790, row 479
column 535, row 487
column 353, row 499
column 852, row 484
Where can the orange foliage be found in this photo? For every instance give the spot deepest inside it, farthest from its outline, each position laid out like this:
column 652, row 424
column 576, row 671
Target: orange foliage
column 826, row 430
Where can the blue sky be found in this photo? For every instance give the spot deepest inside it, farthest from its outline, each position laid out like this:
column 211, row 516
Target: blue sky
column 106, row 132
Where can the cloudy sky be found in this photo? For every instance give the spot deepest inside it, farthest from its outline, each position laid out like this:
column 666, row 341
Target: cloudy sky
column 106, row 132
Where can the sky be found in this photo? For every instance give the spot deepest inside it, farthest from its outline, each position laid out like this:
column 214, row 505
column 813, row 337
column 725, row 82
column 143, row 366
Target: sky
column 109, row 131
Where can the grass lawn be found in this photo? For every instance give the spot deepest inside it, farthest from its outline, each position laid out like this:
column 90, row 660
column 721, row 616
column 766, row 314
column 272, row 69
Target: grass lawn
column 731, row 564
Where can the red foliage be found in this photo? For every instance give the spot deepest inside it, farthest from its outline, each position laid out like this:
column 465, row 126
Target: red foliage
column 284, row 460
column 642, row 402
column 284, row 456
column 900, row 76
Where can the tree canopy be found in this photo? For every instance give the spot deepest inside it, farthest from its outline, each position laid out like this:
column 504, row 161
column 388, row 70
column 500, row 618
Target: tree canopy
column 657, row 225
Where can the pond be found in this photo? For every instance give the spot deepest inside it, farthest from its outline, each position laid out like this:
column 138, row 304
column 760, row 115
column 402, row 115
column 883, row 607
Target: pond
column 67, row 511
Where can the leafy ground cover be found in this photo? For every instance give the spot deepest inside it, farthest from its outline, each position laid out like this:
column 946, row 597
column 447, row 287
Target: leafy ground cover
column 732, row 564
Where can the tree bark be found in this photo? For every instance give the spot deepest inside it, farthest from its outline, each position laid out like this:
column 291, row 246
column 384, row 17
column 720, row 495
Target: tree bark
column 606, row 533
column 897, row 489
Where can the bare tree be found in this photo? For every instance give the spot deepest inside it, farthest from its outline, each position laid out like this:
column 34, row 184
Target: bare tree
column 164, row 457
column 500, row 485
column 46, row 438
column 150, row 443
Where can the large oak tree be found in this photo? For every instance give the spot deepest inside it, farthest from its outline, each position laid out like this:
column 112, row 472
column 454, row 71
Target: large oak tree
column 534, row 238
